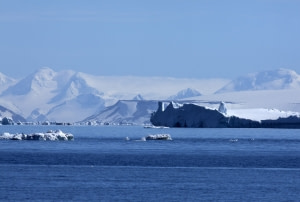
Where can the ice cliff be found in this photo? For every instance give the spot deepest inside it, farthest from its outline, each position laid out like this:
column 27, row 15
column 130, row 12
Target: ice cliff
column 194, row 116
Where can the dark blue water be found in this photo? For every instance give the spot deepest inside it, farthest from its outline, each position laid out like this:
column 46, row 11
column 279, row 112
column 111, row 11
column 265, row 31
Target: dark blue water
column 198, row 165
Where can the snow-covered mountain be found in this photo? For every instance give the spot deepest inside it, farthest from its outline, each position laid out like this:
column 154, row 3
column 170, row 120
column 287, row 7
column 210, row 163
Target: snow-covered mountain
column 35, row 91
column 266, row 80
column 185, row 93
column 126, row 112
column 34, row 83
column 76, row 86
column 68, row 96
column 49, row 95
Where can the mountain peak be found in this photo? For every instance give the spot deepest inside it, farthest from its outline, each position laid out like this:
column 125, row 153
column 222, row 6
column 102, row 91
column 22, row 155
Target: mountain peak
column 44, row 69
column 185, row 93
column 264, row 80
column 41, row 78
column 76, row 85
column 138, row 97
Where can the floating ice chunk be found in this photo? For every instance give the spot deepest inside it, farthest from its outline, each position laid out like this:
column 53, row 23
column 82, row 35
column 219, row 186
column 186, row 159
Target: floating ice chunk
column 159, row 137
column 6, row 136
column 50, row 135
column 18, row 136
column 234, row 140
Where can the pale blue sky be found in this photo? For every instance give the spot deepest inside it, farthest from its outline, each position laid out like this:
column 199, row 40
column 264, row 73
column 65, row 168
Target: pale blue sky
column 176, row 38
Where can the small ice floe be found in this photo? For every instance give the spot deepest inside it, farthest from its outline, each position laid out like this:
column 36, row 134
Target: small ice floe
column 234, row 140
column 159, row 137
column 151, row 126
column 50, row 135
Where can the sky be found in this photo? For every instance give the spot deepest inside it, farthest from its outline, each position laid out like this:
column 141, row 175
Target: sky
column 169, row 38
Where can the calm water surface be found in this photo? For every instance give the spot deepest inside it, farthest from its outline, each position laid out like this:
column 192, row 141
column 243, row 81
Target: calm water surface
column 197, row 165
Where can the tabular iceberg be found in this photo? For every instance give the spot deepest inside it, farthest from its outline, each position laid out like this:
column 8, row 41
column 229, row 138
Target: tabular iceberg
column 50, row 135
column 195, row 116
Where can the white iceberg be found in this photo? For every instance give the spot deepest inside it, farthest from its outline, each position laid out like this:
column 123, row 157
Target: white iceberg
column 195, row 116
column 50, row 135
column 159, row 137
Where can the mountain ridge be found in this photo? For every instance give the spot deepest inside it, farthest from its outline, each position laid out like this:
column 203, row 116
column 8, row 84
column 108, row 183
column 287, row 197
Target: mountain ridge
column 125, row 112
column 265, row 80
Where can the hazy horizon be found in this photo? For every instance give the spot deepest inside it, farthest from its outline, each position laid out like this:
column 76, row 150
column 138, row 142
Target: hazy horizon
column 181, row 39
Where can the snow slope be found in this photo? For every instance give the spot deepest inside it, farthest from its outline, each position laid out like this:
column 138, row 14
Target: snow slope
column 4, row 112
column 76, row 109
column 126, row 112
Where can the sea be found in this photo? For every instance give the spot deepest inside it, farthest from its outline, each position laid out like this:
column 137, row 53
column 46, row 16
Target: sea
column 114, row 163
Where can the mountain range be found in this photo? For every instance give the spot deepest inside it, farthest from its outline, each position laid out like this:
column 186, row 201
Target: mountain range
column 69, row 96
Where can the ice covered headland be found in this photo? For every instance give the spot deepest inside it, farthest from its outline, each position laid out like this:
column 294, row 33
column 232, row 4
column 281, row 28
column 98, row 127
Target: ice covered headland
column 50, row 135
